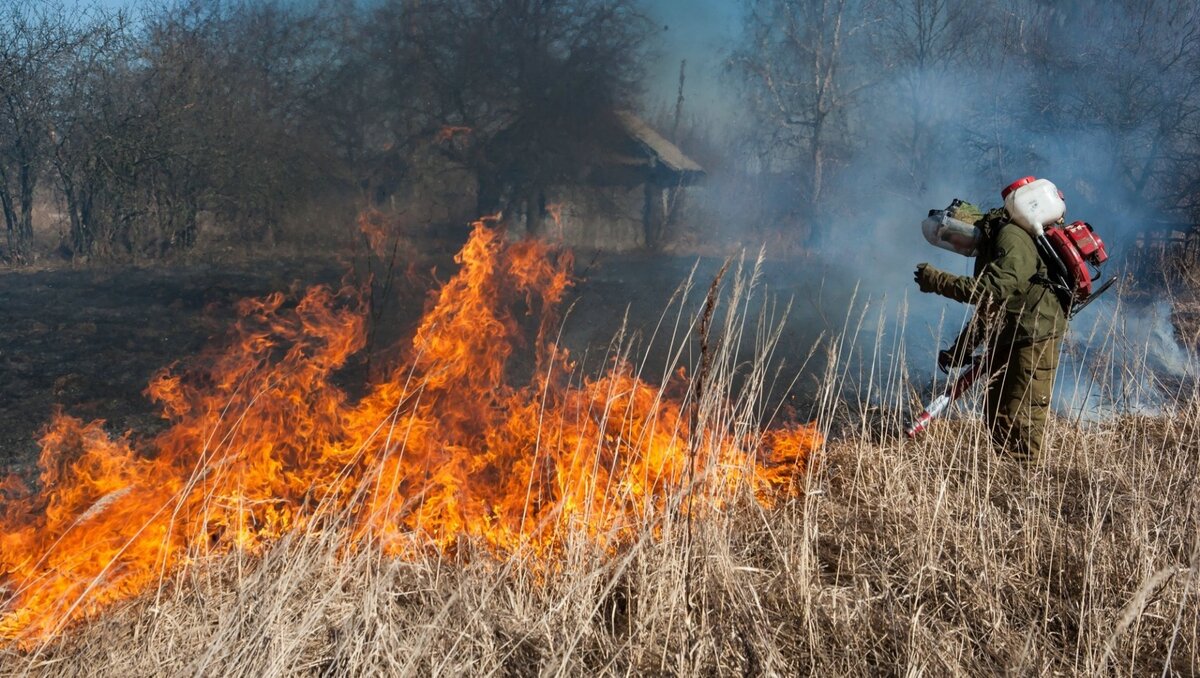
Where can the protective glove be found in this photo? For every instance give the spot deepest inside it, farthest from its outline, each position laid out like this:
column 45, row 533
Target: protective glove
column 927, row 278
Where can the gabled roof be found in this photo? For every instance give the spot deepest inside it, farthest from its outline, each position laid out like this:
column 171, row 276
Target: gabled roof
column 666, row 152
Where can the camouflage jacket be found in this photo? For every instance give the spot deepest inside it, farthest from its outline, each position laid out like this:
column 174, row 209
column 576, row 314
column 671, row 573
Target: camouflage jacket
column 1006, row 289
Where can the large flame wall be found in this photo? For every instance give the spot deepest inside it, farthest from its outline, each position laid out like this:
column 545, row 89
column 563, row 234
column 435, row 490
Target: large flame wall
column 261, row 441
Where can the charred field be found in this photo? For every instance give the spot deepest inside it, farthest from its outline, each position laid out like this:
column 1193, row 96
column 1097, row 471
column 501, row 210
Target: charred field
column 88, row 340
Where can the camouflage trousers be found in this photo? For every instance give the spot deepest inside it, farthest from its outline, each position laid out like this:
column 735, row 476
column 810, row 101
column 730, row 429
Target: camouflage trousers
column 1018, row 397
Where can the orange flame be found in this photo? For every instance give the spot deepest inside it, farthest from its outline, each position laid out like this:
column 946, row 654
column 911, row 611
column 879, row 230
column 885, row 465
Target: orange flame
column 448, row 132
column 555, row 210
column 376, row 229
column 261, row 442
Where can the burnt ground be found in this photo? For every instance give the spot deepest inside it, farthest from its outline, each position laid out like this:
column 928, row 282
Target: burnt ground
column 89, row 340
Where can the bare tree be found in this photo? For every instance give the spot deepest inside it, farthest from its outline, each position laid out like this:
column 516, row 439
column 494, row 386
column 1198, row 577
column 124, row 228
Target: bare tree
column 1150, row 99
column 35, row 45
column 1112, row 105
column 362, row 91
column 80, row 135
column 799, row 61
column 926, row 46
column 244, row 110
column 229, row 89
column 535, row 82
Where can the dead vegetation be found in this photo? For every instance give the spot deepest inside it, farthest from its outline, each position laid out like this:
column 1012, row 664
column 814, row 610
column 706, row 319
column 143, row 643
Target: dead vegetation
column 937, row 557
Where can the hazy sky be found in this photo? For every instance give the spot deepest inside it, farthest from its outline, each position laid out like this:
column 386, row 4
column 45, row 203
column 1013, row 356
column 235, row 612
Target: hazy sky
column 699, row 31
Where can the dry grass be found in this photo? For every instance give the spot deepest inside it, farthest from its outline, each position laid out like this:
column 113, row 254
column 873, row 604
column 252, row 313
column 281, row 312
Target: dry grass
column 934, row 558
column 930, row 558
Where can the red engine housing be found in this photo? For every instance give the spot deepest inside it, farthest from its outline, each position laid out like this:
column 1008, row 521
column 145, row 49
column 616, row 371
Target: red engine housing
column 1077, row 245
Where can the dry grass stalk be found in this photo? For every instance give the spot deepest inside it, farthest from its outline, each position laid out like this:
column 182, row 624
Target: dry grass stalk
column 934, row 557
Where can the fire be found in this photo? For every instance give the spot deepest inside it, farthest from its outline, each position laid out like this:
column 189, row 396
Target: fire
column 555, row 210
column 261, row 442
column 449, row 132
column 373, row 226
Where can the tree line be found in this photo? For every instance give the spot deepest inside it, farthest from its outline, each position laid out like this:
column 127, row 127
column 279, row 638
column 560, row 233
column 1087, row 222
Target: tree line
column 861, row 100
column 245, row 111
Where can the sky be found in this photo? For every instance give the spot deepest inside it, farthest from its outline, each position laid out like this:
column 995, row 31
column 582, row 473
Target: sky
column 700, row 31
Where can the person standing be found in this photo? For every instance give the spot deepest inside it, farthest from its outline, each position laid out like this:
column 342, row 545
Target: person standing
column 1018, row 319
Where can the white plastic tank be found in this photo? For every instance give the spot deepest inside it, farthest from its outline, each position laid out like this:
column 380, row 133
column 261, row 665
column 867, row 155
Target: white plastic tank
column 1033, row 204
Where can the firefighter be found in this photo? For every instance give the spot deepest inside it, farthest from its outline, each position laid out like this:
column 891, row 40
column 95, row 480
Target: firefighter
column 1019, row 320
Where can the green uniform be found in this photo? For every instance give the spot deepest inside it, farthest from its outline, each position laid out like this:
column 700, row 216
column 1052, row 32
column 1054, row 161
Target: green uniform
column 1021, row 321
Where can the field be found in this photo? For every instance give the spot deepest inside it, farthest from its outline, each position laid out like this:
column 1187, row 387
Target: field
column 850, row 552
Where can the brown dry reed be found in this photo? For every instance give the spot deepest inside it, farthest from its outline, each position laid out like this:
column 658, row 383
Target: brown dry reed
column 936, row 557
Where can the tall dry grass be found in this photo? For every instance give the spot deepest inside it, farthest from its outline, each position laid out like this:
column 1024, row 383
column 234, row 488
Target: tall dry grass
column 933, row 557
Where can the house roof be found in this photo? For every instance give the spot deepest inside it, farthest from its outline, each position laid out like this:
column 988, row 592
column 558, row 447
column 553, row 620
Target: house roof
column 666, row 152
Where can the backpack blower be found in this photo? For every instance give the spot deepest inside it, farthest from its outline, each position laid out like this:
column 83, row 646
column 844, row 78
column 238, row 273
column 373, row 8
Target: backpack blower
column 1073, row 255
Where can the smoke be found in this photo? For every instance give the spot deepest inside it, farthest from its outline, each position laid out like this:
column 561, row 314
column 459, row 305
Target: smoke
column 1124, row 358
column 1074, row 92
column 701, row 33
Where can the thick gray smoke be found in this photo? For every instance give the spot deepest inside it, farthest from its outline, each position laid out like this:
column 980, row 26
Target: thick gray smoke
column 1087, row 96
